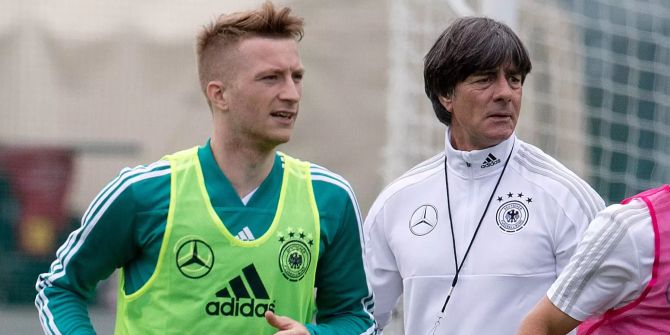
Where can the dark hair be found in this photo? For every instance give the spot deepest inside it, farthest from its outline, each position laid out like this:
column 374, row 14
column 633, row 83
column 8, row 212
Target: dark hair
column 228, row 29
column 467, row 46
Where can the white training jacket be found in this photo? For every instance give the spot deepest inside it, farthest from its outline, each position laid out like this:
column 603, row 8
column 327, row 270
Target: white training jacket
column 535, row 219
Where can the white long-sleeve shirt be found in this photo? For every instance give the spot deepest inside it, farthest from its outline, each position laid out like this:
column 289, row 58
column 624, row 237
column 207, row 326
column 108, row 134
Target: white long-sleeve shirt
column 612, row 264
column 535, row 219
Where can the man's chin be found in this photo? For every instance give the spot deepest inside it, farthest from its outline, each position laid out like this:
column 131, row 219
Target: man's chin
column 502, row 132
column 284, row 137
column 277, row 140
column 499, row 137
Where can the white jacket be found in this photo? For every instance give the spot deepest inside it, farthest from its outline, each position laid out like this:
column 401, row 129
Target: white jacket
column 535, row 219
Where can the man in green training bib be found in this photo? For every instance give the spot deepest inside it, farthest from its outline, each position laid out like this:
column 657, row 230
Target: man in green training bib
column 231, row 237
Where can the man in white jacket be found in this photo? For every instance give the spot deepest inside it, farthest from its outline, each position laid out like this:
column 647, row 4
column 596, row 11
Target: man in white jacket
column 474, row 236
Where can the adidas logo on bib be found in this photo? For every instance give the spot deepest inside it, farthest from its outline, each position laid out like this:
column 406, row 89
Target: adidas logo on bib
column 238, row 301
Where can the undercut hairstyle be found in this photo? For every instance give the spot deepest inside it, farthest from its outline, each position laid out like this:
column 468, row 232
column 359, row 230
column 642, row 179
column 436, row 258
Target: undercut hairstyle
column 470, row 45
column 218, row 38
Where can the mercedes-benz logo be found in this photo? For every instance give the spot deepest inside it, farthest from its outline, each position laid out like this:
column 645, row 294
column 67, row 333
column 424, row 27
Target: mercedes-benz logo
column 195, row 258
column 423, row 220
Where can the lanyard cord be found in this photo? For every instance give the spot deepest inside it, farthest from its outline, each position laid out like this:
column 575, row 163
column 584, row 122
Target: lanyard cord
column 453, row 238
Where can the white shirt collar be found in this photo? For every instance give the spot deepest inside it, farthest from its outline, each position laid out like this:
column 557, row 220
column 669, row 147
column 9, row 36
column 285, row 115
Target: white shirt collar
column 477, row 162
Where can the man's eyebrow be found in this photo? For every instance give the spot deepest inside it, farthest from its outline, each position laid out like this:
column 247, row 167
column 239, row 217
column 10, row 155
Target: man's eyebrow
column 508, row 71
column 512, row 71
column 484, row 72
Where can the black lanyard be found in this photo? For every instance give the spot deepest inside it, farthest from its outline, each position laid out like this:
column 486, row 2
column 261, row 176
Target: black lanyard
column 453, row 238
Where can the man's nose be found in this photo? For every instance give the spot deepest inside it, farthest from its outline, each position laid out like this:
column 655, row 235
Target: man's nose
column 503, row 89
column 291, row 91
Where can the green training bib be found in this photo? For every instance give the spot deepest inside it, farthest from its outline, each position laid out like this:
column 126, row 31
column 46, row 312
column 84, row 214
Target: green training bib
column 207, row 281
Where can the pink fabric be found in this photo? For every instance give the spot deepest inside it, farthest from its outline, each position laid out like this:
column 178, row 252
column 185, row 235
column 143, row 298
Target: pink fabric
column 650, row 313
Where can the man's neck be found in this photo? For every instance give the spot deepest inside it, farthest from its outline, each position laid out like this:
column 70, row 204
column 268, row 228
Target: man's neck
column 460, row 142
column 244, row 166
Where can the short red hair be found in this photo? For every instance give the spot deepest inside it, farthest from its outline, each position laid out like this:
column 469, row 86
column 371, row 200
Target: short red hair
column 217, row 38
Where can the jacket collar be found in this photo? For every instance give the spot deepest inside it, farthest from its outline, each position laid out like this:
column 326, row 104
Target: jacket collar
column 477, row 163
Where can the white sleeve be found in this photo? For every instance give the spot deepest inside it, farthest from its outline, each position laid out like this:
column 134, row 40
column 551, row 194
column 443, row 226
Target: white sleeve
column 572, row 222
column 569, row 230
column 381, row 267
column 612, row 264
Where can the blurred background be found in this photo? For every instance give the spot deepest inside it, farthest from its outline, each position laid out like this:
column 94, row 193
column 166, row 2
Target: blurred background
column 89, row 87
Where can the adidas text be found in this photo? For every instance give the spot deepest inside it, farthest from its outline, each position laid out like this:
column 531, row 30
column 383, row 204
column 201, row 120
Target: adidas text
column 491, row 163
column 234, row 307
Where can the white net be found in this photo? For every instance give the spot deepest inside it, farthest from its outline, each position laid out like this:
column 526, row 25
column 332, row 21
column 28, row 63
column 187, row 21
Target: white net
column 606, row 64
column 413, row 131
column 597, row 98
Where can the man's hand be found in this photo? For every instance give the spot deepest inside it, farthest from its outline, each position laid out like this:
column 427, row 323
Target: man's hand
column 285, row 325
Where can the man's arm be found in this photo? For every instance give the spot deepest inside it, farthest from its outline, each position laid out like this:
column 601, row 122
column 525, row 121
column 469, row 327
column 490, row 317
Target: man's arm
column 64, row 292
column 611, row 267
column 103, row 243
column 547, row 319
column 381, row 266
column 571, row 225
column 343, row 299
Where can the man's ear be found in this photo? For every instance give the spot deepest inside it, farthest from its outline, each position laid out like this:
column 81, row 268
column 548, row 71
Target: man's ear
column 446, row 102
column 215, row 94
